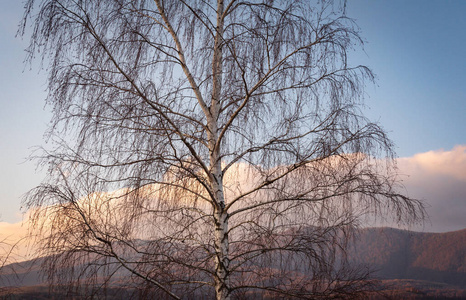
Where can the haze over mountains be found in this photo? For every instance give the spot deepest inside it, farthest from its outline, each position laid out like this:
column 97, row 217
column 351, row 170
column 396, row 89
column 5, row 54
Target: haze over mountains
column 413, row 265
column 402, row 254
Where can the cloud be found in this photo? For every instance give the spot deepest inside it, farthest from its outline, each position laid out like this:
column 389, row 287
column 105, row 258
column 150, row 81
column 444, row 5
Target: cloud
column 14, row 246
column 451, row 164
column 438, row 178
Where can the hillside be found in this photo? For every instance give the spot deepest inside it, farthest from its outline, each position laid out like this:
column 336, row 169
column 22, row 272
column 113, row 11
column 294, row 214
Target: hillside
column 410, row 265
column 401, row 254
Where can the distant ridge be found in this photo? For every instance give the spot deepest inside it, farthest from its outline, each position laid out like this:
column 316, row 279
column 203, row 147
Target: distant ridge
column 410, row 265
column 402, row 254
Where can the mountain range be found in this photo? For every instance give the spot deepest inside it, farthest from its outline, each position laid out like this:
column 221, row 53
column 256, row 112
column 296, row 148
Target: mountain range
column 402, row 254
column 408, row 265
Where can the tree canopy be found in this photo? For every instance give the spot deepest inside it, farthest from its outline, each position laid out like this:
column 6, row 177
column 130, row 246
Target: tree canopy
column 207, row 148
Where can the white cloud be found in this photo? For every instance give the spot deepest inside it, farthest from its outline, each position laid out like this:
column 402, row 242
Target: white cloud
column 14, row 246
column 439, row 163
column 438, row 178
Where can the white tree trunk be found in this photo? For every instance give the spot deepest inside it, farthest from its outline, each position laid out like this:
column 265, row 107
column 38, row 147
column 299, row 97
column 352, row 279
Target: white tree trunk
column 222, row 285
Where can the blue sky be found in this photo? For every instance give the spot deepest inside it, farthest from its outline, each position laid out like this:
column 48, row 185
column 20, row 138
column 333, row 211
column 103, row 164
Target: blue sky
column 22, row 116
column 416, row 48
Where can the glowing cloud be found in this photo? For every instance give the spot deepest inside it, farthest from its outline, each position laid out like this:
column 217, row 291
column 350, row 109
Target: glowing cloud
column 439, row 163
column 13, row 243
column 438, row 178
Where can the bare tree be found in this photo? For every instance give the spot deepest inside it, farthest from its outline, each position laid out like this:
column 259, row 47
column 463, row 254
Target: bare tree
column 207, row 148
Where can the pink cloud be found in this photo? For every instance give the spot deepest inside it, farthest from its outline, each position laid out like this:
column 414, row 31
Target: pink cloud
column 435, row 163
column 14, row 245
column 438, row 178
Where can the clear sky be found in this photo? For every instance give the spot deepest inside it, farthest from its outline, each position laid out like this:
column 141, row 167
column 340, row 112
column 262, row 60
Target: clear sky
column 416, row 48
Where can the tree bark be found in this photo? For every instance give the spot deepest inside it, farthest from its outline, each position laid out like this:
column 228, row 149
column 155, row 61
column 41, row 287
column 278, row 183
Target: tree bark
column 222, row 284
column 220, row 215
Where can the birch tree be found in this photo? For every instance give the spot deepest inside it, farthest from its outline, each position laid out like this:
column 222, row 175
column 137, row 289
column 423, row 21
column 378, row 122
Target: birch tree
column 207, row 148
